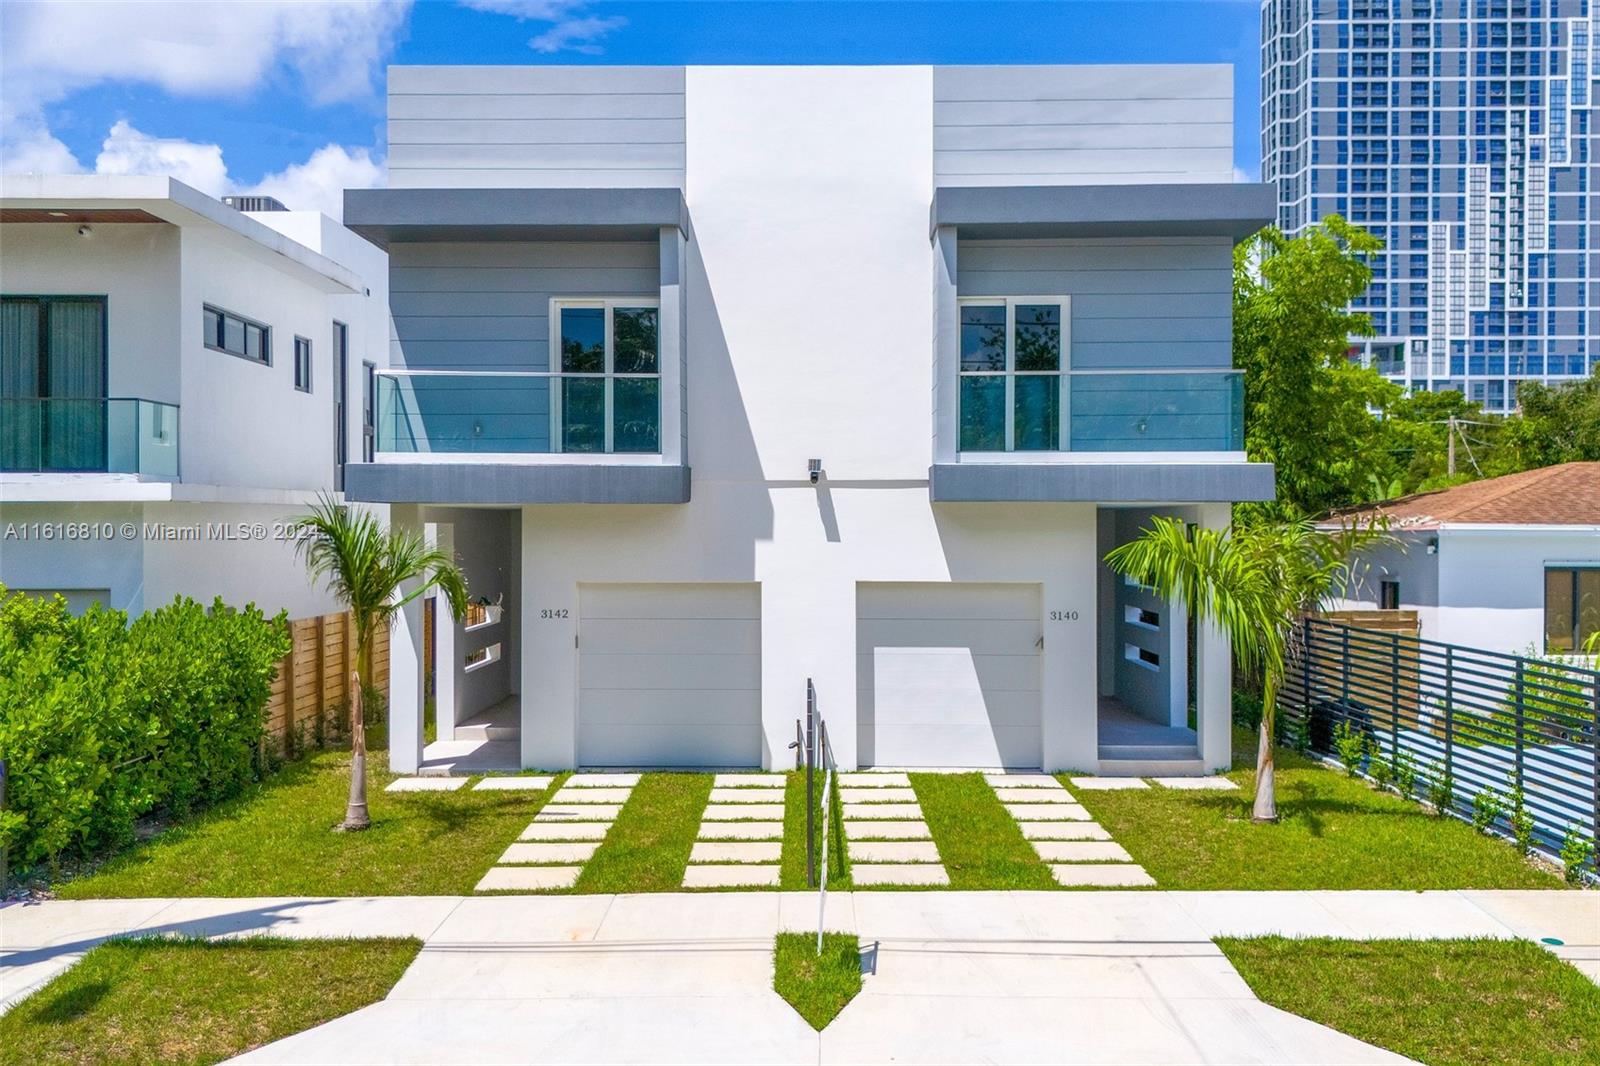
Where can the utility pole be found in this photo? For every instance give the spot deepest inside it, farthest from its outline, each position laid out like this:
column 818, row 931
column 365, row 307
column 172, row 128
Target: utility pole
column 1451, row 461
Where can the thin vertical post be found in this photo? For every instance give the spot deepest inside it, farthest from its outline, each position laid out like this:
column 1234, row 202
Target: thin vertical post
column 1305, row 673
column 1394, row 696
column 1522, row 719
column 1344, row 669
column 1594, row 740
column 1450, row 721
column 811, row 765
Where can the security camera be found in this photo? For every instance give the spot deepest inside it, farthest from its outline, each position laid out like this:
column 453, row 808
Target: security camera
column 85, row 231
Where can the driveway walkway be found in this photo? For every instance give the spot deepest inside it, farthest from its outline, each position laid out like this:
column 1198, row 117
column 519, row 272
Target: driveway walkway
column 957, row 977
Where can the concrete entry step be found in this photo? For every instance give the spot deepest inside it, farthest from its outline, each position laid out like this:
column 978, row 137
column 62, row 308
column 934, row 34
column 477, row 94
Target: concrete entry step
column 1151, row 768
column 1144, row 752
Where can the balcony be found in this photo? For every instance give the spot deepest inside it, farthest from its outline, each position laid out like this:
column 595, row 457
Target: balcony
column 1155, row 411
column 76, row 436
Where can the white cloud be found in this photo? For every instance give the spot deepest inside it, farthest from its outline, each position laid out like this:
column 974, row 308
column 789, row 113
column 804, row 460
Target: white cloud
column 318, row 184
column 30, row 148
column 1242, row 175
column 576, row 35
column 542, row 10
column 130, row 151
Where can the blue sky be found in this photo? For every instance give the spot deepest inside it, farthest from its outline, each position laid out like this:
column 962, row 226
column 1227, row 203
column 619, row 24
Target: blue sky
column 288, row 98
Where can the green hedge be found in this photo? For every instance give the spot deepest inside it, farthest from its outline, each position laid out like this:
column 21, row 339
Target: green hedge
column 102, row 722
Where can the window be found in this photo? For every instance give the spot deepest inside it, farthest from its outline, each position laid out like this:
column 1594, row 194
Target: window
column 1571, row 607
column 341, row 385
column 608, row 397
column 1388, row 595
column 302, row 364
column 231, row 333
column 1012, row 358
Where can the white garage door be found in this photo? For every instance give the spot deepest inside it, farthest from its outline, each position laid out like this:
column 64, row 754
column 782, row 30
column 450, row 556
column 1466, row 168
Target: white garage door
column 948, row 675
column 669, row 675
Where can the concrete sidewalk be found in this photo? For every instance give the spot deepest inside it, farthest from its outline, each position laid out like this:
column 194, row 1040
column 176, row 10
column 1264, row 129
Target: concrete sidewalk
column 958, row 977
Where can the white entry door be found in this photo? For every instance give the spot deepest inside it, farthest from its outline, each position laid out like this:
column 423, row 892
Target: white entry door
column 669, row 675
column 947, row 675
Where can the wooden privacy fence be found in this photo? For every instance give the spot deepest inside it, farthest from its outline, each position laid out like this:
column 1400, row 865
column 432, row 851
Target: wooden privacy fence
column 309, row 704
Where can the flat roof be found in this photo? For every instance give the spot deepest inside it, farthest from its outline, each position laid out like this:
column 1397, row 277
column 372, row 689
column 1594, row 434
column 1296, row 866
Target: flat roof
column 1203, row 209
column 120, row 198
column 385, row 215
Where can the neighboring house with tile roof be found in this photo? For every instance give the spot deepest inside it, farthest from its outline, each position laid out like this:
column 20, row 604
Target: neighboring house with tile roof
column 1506, row 564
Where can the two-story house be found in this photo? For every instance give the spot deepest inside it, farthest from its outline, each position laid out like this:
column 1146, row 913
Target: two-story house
column 720, row 379
column 179, row 378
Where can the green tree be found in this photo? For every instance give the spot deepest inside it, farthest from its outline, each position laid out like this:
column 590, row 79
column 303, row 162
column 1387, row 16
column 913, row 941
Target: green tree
column 1558, row 423
column 1307, row 408
column 1254, row 583
column 368, row 568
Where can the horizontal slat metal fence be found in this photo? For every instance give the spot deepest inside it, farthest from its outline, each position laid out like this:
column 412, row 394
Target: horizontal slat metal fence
column 1481, row 719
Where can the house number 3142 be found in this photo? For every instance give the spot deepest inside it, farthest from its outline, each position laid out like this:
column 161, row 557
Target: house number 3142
column 553, row 612
column 1063, row 616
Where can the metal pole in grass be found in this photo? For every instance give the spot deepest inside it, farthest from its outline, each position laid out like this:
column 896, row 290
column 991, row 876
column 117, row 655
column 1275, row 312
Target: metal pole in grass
column 827, row 807
column 811, row 763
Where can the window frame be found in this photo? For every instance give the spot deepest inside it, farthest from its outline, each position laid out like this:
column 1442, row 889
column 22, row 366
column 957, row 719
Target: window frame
column 266, row 334
column 608, row 373
column 1011, row 373
column 1574, row 572
column 1389, row 589
column 302, row 378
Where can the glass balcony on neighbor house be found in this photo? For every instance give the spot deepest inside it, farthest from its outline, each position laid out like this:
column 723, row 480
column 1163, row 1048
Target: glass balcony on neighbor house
column 66, row 436
column 1106, row 411
column 518, row 412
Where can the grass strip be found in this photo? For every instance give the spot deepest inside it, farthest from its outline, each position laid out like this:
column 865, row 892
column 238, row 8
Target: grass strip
column 648, row 846
column 1444, row 1002
column 277, row 839
column 191, row 1001
column 792, row 872
column 979, row 842
column 817, row 986
column 1333, row 832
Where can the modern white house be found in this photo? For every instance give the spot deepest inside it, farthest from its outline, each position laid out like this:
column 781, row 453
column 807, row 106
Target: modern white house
column 179, row 377
column 720, row 379
column 1509, row 564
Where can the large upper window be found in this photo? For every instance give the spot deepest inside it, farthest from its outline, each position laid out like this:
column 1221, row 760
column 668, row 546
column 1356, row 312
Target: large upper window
column 1013, row 355
column 608, row 397
column 236, row 335
column 1571, row 607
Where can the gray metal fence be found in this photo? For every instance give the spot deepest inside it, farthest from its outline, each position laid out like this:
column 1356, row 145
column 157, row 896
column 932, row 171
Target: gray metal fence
column 1466, row 720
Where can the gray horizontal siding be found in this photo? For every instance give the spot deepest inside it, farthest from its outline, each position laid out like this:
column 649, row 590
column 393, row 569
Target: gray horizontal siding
column 1082, row 124
column 536, row 127
column 486, row 306
column 1145, row 303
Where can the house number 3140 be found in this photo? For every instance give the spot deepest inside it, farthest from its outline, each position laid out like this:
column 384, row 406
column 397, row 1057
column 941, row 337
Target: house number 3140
column 1063, row 616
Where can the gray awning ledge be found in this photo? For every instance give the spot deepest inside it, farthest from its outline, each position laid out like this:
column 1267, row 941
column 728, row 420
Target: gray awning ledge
column 1233, row 210
column 386, row 215
column 515, row 483
column 1100, row 482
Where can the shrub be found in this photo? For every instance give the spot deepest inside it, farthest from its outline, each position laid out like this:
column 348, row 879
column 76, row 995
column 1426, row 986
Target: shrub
column 1521, row 817
column 1442, row 794
column 1487, row 806
column 1381, row 770
column 1575, row 852
column 1247, row 709
column 1351, row 745
column 1405, row 773
column 102, row 722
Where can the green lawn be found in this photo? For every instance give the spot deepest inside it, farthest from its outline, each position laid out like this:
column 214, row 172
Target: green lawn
column 792, row 875
column 1334, row 832
column 277, row 840
column 979, row 842
column 817, row 987
column 187, row 1001
column 1444, row 1002
column 648, row 846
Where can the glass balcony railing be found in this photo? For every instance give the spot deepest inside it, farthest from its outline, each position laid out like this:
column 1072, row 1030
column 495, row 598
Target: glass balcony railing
column 526, row 413
column 1156, row 411
column 62, row 435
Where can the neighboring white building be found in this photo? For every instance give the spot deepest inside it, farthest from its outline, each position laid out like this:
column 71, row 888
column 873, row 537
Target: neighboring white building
column 1509, row 564
column 932, row 340
column 169, row 386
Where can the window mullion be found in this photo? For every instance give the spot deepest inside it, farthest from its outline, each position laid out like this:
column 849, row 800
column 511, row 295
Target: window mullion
column 1011, row 375
column 609, row 372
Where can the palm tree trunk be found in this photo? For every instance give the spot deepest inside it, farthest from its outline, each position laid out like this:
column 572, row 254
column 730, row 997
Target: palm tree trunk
column 355, row 811
column 1266, row 805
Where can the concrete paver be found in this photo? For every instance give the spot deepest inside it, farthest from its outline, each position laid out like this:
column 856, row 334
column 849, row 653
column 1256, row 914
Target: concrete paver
column 578, row 812
column 741, row 830
column 894, row 851
column 999, row 780
column 873, row 779
column 566, row 831
column 881, row 811
column 1034, row 795
column 1107, row 784
column 512, row 784
column 1101, row 875
column 1063, row 831
column 584, row 780
column 729, row 812
column 1081, row 851
column 735, row 851
column 877, row 795
column 870, row 873
column 907, row 829
column 746, row 795
column 568, row 794
column 549, row 853
column 1048, row 812
column 1219, row 784
column 743, row 780
column 528, row 878
column 730, row 876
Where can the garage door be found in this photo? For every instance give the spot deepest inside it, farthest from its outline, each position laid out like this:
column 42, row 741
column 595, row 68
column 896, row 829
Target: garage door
column 669, row 675
column 948, row 675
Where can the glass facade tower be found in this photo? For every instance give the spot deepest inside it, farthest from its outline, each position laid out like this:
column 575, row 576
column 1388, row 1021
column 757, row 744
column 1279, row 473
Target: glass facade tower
column 1461, row 132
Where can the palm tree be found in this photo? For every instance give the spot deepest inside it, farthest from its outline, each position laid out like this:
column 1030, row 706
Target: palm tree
column 365, row 566
column 1254, row 583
